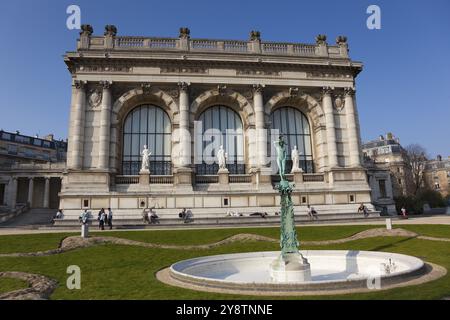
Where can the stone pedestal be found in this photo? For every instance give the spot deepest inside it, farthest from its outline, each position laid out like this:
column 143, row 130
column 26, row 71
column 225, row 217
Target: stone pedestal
column 84, row 230
column 389, row 223
column 144, row 177
column 261, row 176
column 290, row 267
column 223, row 176
column 298, row 176
column 182, row 176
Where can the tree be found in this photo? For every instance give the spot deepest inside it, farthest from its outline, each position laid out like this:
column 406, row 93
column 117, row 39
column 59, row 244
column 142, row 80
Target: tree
column 416, row 158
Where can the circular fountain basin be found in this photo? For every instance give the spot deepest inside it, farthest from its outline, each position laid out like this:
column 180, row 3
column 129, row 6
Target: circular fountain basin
column 330, row 270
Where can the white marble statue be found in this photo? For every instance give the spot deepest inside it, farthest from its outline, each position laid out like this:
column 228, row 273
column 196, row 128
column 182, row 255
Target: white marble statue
column 295, row 156
column 222, row 157
column 145, row 165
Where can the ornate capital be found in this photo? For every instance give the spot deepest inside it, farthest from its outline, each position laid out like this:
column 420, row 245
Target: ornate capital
column 321, row 39
column 327, row 91
column 185, row 33
column 86, row 30
column 105, row 84
column 255, row 35
column 258, row 88
column 183, row 86
column 293, row 92
column 79, row 84
column 110, row 30
column 349, row 92
column 146, row 87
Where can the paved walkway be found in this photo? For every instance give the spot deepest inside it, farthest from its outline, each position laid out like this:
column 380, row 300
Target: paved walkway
column 443, row 220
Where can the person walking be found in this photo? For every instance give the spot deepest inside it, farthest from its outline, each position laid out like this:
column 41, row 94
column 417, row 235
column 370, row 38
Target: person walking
column 101, row 219
column 110, row 218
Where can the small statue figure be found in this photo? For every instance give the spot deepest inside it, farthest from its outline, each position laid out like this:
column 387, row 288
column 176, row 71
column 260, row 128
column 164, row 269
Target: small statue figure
column 145, row 166
column 295, row 156
column 222, row 157
column 281, row 156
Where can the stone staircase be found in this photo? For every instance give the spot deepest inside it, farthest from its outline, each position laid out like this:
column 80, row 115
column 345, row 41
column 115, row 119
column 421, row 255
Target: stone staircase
column 218, row 217
column 32, row 218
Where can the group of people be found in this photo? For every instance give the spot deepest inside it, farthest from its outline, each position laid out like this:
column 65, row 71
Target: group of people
column 150, row 216
column 105, row 218
column 186, row 215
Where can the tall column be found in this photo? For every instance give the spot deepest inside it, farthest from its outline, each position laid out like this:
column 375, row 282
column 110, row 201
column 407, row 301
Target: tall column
column 185, row 136
column 352, row 129
column 47, row 192
column 30, row 191
column 77, row 138
column 13, row 192
column 261, row 134
column 330, row 128
column 105, row 126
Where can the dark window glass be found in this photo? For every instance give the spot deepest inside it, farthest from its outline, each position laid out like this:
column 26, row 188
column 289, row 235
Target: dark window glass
column 147, row 125
column 224, row 124
column 294, row 125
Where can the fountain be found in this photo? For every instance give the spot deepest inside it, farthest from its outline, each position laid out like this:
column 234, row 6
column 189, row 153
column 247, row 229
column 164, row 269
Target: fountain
column 292, row 271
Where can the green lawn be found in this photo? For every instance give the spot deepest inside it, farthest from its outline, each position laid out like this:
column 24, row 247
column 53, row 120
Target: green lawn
column 128, row 272
column 11, row 284
column 194, row 237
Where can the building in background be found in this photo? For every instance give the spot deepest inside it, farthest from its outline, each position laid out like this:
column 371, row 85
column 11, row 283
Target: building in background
column 387, row 153
column 437, row 175
column 31, row 169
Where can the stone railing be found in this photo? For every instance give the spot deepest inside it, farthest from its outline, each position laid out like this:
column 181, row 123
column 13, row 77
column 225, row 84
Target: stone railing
column 240, row 178
column 206, row 179
column 39, row 166
column 130, row 43
column 313, row 177
column 161, row 179
column 127, row 179
column 276, row 178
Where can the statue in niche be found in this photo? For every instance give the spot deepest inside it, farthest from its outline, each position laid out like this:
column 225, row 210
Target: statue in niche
column 221, row 158
column 145, row 165
column 295, row 156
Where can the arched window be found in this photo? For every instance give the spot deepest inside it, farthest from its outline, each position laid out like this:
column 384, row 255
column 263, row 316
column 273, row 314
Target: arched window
column 220, row 125
column 147, row 125
column 294, row 125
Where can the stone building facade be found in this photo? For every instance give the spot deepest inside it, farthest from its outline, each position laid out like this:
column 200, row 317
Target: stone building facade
column 31, row 169
column 387, row 153
column 183, row 97
column 437, row 175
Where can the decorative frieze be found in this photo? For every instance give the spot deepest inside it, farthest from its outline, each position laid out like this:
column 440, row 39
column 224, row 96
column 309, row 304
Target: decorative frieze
column 184, row 70
column 328, row 75
column 258, row 72
column 103, row 69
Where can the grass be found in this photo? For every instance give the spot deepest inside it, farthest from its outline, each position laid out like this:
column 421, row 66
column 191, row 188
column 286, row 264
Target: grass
column 128, row 272
column 194, row 237
column 31, row 242
column 11, row 284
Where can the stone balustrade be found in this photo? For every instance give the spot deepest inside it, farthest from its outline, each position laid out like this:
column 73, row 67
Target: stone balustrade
column 313, row 177
column 88, row 41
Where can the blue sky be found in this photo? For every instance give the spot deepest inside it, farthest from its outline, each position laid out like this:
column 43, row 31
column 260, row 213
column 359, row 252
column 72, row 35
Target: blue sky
column 404, row 87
